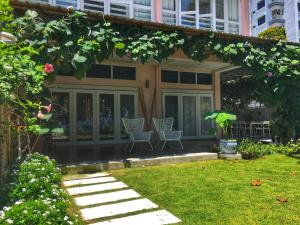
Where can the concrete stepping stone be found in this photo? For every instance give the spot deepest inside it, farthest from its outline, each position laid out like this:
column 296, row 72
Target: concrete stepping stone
column 96, row 188
column 83, row 176
column 117, row 209
column 106, row 197
column 89, row 181
column 152, row 218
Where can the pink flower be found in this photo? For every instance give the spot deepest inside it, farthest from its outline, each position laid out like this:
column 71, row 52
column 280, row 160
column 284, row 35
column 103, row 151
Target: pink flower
column 269, row 74
column 48, row 68
column 48, row 108
column 40, row 115
column 128, row 54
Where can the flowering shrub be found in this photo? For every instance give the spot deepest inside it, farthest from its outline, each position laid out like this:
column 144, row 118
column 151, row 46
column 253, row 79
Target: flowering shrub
column 252, row 150
column 35, row 195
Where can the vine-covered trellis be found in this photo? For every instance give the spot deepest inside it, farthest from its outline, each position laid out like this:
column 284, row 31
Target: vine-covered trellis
column 74, row 43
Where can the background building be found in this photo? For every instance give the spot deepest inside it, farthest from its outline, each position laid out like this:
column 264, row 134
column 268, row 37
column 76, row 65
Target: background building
column 267, row 13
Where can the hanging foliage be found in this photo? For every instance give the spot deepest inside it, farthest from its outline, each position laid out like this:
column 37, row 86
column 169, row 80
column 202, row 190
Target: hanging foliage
column 74, row 43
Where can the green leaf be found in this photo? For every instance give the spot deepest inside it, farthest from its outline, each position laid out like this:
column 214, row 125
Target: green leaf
column 119, row 45
column 79, row 59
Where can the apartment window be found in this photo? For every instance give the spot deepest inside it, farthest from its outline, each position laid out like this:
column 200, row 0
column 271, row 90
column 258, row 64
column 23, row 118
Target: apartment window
column 260, row 4
column 261, row 20
column 188, row 5
column 124, row 73
column 169, row 12
column 206, row 16
column 99, row 71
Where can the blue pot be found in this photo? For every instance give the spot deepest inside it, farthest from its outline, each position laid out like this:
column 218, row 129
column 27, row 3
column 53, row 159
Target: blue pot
column 228, row 146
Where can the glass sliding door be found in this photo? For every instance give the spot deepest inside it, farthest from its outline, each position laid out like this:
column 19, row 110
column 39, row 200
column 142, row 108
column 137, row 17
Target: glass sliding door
column 84, row 116
column 188, row 111
column 189, row 116
column 127, row 110
column 61, row 114
column 106, row 116
column 205, row 107
column 171, row 109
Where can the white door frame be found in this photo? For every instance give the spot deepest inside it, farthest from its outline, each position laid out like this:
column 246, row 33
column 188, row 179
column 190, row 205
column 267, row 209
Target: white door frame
column 96, row 113
column 180, row 94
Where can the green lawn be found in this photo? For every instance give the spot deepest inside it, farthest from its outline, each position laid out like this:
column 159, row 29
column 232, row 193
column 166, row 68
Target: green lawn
column 220, row 192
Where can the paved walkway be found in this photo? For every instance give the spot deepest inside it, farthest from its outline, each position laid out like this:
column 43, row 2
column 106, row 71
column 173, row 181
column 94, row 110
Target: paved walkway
column 105, row 201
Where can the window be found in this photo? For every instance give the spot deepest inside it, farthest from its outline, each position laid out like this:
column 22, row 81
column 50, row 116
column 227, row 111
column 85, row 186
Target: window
column 61, row 109
column 99, row 71
column 124, row 73
column 188, row 5
column 261, row 20
column 204, row 78
column 260, row 4
column 187, row 78
column 169, row 12
column 204, row 6
column 169, row 76
column 220, row 9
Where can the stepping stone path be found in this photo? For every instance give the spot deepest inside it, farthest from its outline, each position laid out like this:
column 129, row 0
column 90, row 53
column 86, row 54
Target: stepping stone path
column 102, row 198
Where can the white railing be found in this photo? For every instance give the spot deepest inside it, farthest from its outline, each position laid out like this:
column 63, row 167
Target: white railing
column 169, row 17
column 206, row 23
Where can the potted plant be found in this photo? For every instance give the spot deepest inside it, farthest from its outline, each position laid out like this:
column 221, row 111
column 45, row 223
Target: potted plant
column 224, row 121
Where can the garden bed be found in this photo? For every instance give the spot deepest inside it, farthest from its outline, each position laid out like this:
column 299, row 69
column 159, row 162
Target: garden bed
column 34, row 195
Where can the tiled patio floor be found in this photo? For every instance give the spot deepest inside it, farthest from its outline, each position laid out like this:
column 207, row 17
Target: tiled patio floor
column 103, row 153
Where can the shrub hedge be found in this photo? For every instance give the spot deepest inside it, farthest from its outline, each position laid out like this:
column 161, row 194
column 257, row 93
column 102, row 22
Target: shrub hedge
column 35, row 196
column 252, row 150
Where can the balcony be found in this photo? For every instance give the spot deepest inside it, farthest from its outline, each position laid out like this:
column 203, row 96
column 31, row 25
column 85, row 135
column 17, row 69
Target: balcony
column 124, row 8
column 276, row 3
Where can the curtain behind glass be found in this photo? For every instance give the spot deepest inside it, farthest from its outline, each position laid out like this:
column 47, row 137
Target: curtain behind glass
column 233, row 11
column 168, row 4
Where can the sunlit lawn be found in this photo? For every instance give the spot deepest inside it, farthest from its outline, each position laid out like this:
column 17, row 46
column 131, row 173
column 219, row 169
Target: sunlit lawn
column 220, row 192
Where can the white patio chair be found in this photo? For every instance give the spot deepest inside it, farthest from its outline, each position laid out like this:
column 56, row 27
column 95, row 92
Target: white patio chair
column 135, row 130
column 164, row 129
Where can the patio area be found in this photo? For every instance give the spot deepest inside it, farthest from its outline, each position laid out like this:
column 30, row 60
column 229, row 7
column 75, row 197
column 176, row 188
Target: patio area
column 72, row 155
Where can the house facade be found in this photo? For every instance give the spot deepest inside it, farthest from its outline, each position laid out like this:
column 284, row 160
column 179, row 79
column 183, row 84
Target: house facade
column 268, row 13
column 90, row 110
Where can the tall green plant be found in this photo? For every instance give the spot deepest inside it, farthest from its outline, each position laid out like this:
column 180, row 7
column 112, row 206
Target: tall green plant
column 223, row 121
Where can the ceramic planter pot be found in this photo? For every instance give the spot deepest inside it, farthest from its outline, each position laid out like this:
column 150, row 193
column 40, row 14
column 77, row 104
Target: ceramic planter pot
column 228, row 146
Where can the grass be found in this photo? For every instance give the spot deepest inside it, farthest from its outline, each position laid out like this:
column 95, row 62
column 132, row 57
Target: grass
column 220, row 192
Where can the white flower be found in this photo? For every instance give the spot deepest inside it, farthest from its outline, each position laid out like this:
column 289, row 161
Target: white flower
column 66, row 218
column 9, row 221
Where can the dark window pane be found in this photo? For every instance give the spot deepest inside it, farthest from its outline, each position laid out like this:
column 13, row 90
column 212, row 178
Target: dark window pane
column 204, row 6
column 169, row 76
column 171, row 109
column 124, row 73
column 188, row 5
column 260, row 4
column 204, row 78
column 220, row 9
column 187, row 78
column 99, row 71
column 61, row 115
column 261, row 20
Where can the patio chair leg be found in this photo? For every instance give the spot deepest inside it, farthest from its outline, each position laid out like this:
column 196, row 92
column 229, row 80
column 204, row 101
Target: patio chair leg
column 131, row 148
column 163, row 146
column 181, row 146
column 151, row 146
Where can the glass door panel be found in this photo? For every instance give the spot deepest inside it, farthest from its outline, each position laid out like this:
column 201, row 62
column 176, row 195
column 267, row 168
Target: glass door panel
column 127, row 110
column 189, row 116
column 61, row 114
column 171, row 109
column 84, row 117
column 107, row 116
column 205, row 107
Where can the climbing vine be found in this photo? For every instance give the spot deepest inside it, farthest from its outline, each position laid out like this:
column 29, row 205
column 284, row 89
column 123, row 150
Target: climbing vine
column 74, row 43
